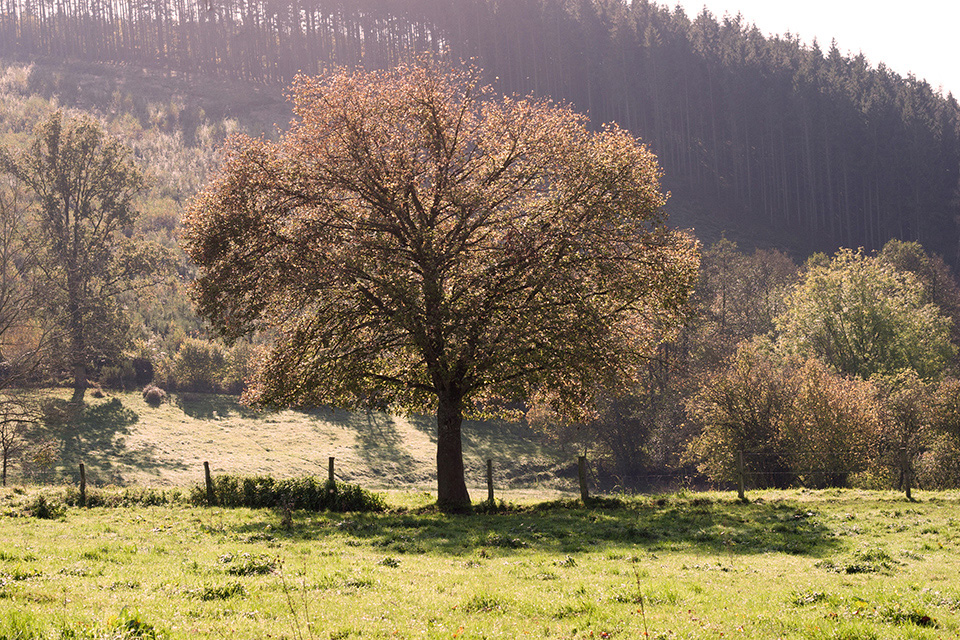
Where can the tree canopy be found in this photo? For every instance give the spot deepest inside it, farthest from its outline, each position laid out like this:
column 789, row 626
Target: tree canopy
column 414, row 241
column 863, row 317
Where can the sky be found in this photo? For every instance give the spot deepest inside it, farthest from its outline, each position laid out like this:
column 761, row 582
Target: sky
column 919, row 37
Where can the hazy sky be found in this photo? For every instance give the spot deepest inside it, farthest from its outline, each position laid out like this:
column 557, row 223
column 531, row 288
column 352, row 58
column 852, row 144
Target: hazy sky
column 921, row 36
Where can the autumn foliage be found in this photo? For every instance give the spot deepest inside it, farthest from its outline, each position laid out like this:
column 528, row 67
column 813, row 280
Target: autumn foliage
column 414, row 241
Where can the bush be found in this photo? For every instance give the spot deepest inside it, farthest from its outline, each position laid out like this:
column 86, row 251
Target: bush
column 796, row 422
column 153, row 395
column 125, row 497
column 199, row 366
column 939, row 466
column 307, row 493
column 120, row 376
column 45, row 509
column 142, row 370
column 745, row 408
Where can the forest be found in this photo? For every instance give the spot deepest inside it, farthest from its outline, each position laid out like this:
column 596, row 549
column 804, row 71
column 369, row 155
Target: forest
column 778, row 143
column 776, row 154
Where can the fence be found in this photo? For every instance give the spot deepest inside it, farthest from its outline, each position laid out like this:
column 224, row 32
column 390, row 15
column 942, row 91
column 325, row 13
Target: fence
column 742, row 474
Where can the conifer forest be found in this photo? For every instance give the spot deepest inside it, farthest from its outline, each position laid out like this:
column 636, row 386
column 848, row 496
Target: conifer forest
column 774, row 141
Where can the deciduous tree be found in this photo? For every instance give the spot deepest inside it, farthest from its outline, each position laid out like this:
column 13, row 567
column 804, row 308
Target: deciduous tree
column 415, row 241
column 794, row 421
column 834, row 427
column 745, row 410
column 939, row 283
column 84, row 185
column 22, row 333
column 863, row 317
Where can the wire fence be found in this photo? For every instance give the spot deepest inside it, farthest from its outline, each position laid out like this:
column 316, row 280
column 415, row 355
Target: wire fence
column 746, row 477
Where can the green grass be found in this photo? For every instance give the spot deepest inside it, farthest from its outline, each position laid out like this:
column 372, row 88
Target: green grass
column 798, row 564
column 122, row 440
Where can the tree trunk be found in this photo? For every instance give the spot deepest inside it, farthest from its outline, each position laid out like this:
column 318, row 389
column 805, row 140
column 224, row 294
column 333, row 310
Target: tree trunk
column 77, row 342
column 79, row 383
column 452, row 493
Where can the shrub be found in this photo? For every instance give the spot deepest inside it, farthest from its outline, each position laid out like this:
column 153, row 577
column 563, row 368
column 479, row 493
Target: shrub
column 126, row 497
column 153, row 395
column 796, row 421
column 307, row 493
column 833, row 426
column 939, row 466
column 744, row 408
column 199, row 366
column 142, row 370
column 120, row 376
column 45, row 509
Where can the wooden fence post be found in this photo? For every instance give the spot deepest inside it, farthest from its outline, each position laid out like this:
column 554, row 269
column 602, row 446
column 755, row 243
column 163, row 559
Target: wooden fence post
column 83, row 485
column 740, row 489
column 211, row 497
column 582, row 473
column 490, row 480
column 330, row 477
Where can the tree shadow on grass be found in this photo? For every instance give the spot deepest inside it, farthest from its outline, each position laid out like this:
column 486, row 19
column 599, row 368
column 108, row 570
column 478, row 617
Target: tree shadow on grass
column 93, row 434
column 497, row 438
column 211, row 406
column 380, row 444
column 696, row 525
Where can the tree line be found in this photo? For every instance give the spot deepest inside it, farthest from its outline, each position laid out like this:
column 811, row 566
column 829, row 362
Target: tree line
column 800, row 146
column 842, row 371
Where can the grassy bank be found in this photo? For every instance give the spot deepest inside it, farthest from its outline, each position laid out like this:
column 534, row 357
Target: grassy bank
column 833, row 564
column 122, row 440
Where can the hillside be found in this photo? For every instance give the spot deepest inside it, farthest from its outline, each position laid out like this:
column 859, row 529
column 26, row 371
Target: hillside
column 775, row 142
column 122, row 440
column 763, row 141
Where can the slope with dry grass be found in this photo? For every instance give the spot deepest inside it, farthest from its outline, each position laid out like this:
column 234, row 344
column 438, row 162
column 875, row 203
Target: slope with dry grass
column 123, row 440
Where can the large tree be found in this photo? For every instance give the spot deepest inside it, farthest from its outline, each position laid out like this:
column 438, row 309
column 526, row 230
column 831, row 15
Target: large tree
column 864, row 317
column 414, row 241
column 83, row 185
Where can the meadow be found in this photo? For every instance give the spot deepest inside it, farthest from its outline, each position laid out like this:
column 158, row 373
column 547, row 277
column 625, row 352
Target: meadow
column 839, row 564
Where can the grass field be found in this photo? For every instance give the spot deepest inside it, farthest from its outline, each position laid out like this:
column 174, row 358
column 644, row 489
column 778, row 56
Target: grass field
column 800, row 564
column 122, row 441
column 843, row 565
